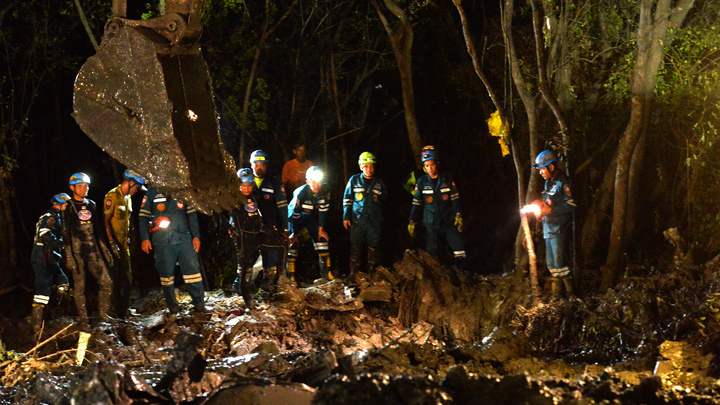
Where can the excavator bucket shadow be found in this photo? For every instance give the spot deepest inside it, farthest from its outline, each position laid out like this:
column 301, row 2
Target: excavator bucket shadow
column 150, row 106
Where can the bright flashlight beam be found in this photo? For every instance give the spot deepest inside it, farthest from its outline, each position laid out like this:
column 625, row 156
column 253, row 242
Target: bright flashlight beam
column 532, row 208
column 164, row 223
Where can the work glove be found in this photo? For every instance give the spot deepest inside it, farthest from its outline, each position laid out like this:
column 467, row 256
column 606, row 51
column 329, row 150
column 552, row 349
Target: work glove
column 411, row 229
column 459, row 223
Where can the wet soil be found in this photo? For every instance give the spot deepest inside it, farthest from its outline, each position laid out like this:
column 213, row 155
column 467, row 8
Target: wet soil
column 417, row 333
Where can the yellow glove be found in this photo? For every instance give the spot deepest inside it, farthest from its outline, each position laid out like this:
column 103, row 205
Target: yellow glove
column 411, row 229
column 459, row 223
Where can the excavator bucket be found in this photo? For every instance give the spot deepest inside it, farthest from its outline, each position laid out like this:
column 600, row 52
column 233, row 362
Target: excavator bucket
column 148, row 103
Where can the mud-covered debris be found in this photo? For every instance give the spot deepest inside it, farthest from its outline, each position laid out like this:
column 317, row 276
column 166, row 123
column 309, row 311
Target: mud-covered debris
column 313, row 369
column 43, row 388
column 376, row 292
column 681, row 365
column 109, row 383
column 185, row 359
column 330, row 296
column 466, row 388
column 381, row 389
column 259, row 391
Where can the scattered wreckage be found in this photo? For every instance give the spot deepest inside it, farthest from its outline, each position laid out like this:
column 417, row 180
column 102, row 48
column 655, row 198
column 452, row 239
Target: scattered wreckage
column 325, row 343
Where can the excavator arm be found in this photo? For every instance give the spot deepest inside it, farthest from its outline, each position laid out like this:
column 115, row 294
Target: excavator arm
column 146, row 99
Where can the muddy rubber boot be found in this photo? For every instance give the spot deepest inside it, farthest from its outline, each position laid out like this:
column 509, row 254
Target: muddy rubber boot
column 325, row 266
column 291, row 269
column 354, row 262
column 373, row 260
column 554, row 288
column 36, row 317
column 568, row 282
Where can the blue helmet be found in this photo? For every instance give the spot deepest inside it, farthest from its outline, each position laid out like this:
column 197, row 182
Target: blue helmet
column 246, row 175
column 544, row 159
column 130, row 174
column 258, row 156
column 78, row 178
column 61, row 198
column 429, row 155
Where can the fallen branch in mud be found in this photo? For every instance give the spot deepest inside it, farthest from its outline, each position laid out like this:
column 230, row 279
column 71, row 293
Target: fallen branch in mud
column 38, row 346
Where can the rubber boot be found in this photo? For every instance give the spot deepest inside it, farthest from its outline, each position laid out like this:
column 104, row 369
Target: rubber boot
column 245, row 288
column 568, row 281
column 36, row 317
column 291, row 269
column 373, row 260
column 325, row 266
column 554, row 288
column 354, row 262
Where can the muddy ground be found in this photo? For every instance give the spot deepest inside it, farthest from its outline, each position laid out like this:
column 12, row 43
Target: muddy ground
column 414, row 334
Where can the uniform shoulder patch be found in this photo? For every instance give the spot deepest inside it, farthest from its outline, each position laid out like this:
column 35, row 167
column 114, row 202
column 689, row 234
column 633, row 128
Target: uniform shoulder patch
column 567, row 190
column 108, row 202
column 51, row 222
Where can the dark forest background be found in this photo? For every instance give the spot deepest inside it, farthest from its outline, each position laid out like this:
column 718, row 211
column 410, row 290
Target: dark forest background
column 626, row 92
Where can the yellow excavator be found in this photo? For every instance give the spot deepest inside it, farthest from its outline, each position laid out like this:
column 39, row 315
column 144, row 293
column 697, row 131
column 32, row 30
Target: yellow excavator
column 146, row 99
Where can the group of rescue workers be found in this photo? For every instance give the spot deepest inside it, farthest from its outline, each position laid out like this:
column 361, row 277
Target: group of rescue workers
column 71, row 230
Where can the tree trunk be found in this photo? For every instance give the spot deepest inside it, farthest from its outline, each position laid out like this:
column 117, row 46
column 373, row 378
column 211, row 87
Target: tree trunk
column 401, row 41
column 8, row 249
column 525, row 190
column 654, row 33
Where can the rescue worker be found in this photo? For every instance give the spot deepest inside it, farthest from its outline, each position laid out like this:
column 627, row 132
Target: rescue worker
column 308, row 210
column 118, row 208
column 363, row 200
column 85, row 249
column 45, row 258
column 252, row 235
column 293, row 174
column 270, row 198
column 556, row 211
column 175, row 239
column 437, row 198
column 415, row 174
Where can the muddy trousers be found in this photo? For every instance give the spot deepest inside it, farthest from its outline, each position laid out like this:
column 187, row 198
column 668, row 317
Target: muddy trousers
column 90, row 260
column 47, row 274
column 249, row 244
column 323, row 250
column 122, row 277
column 452, row 236
column 166, row 256
column 356, row 257
column 364, row 234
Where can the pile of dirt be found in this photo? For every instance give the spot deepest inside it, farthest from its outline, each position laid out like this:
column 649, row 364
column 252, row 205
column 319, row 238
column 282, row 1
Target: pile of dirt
column 418, row 333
